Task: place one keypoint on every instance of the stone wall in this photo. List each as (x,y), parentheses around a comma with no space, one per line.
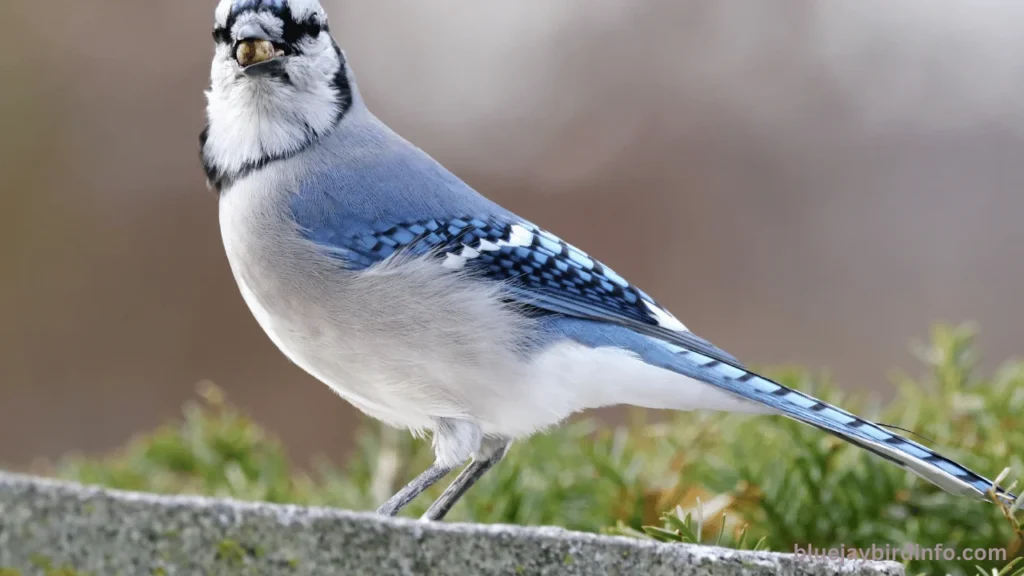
(47,525)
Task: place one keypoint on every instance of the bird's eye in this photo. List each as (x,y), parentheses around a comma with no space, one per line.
(297,31)
(221,35)
(312,28)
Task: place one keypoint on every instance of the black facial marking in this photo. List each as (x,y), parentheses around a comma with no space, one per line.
(293,31)
(341,84)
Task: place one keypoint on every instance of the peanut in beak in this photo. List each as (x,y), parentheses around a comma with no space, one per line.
(251,52)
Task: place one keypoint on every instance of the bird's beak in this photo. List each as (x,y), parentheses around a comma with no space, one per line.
(255,53)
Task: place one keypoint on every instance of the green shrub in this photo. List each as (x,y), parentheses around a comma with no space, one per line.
(740,481)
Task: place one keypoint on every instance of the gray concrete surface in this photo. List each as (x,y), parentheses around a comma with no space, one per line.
(48,525)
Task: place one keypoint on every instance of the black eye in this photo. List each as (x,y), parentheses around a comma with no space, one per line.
(221,35)
(296,31)
(312,28)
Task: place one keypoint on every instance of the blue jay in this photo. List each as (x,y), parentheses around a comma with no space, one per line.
(423,303)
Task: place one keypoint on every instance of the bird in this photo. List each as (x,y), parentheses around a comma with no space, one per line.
(425,304)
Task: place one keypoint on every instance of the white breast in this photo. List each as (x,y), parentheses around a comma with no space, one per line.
(405,342)
(266,262)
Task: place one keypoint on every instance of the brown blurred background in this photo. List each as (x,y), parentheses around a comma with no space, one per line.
(800,181)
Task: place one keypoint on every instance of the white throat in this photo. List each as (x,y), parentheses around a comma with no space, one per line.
(254,120)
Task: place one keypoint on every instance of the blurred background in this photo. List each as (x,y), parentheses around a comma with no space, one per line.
(800,182)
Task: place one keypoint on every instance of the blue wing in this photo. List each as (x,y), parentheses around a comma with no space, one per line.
(538,268)
(593,305)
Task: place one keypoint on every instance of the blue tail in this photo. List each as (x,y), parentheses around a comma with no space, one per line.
(926,463)
(707,363)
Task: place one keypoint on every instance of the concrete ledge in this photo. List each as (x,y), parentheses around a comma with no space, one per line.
(107,533)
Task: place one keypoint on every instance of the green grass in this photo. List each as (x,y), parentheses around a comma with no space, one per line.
(731,480)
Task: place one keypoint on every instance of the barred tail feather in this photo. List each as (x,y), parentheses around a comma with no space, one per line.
(926,463)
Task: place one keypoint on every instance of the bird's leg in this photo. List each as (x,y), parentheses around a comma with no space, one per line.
(425,480)
(494,450)
(455,441)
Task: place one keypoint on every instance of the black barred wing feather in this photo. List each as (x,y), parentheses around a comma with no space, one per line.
(540,270)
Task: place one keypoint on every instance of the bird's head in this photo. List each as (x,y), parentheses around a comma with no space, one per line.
(278,83)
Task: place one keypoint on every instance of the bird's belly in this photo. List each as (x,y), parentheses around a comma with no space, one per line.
(304,307)
(329,356)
